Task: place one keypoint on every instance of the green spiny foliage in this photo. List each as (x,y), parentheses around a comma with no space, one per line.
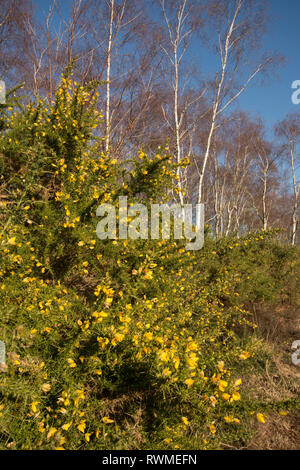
(113,344)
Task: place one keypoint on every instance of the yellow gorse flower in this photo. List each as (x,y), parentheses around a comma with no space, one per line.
(261,418)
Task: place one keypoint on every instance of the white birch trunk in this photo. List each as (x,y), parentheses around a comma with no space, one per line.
(109,48)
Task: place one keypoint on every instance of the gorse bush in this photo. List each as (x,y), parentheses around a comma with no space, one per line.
(110,344)
(255,267)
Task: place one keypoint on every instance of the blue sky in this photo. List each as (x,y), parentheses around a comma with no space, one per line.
(272,101)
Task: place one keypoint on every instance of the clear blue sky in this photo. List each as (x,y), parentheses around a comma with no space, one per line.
(273,100)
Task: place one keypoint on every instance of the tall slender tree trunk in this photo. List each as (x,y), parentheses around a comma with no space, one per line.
(296,194)
(109,48)
(216,105)
(177,127)
(264,206)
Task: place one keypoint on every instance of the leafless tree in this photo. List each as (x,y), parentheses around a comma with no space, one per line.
(179,19)
(235,28)
(289,131)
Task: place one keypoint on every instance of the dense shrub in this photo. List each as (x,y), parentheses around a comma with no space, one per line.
(112,344)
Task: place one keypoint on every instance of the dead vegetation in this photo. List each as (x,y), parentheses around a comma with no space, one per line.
(279,381)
